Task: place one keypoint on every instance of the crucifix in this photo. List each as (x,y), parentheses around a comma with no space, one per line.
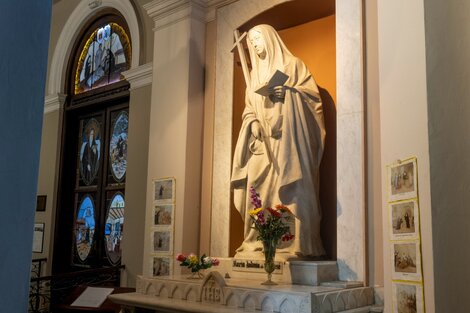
(241,52)
(246,73)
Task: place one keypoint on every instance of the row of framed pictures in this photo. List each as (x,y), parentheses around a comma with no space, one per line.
(405,240)
(162,230)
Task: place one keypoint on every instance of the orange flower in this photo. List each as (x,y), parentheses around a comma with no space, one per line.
(283,208)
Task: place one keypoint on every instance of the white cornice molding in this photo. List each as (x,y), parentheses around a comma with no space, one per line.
(140,76)
(54,102)
(213,5)
(168,12)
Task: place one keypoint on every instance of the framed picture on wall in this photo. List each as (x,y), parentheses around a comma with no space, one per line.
(407,297)
(404,219)
(163,214)
(38,237)
(406,258)
(162,265)
(402,180)
(162,241)
(164,190)
(41,203)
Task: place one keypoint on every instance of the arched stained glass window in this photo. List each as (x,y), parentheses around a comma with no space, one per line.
(105,55)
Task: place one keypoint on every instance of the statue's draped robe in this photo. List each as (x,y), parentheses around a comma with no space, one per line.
(284,166)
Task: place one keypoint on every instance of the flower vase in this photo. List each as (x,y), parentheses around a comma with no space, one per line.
(269,246)
(196,275)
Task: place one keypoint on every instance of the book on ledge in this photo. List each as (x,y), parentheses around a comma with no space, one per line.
(278,79)
(92,297)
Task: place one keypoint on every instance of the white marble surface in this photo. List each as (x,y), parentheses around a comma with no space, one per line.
(214,294)
(351,239)
(312,273)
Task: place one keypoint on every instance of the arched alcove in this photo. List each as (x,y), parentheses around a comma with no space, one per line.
(350,145)
(308,30)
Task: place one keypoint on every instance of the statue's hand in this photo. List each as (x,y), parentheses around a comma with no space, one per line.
(256,130)
(278,92)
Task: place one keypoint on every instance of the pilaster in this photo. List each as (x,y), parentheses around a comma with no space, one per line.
(176,117)
(140,76)
(168,12)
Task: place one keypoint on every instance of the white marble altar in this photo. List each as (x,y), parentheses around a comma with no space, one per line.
(216,294)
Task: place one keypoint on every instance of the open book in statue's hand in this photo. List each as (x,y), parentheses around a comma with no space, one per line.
(278,79)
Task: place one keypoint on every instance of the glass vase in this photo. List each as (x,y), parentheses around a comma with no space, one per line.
(196,275)
(269,246)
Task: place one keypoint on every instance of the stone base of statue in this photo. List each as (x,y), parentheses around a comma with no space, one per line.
(216,294)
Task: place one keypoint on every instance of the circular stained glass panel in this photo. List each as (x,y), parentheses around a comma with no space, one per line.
(118,147)
(114,227)
(85,227)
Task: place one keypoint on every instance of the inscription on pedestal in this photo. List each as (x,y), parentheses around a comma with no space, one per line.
(256,266)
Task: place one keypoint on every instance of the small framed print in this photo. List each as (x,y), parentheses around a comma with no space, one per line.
(163,214)
(162,265)
(164,190)
(402,180)
(38,237)
(162,241)
(41,203)
(406,260)
(407,297)
(404,219)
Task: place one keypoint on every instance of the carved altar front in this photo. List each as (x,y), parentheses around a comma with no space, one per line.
(215,294)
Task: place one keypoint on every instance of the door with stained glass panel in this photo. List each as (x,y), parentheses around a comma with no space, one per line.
(89,224)
(100,187)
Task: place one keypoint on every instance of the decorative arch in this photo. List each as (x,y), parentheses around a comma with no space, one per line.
(70,32)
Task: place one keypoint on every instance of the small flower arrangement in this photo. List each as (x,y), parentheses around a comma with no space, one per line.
(196,264)
(270,223)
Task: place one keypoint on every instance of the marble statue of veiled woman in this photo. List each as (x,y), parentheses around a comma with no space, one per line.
(280,145)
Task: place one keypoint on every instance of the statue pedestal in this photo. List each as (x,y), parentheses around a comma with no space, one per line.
(311,273)
(215,294)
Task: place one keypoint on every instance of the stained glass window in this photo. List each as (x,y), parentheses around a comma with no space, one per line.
(118,146)
(114,228)
(106,54)
(85,227)
(90,149)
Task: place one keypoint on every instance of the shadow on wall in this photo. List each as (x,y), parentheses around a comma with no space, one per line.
(328,177)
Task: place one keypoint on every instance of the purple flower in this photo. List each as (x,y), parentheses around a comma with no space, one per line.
(261,220)
(255,200)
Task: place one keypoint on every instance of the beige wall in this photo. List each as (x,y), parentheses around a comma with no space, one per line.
(60,14)
(47,181)
(146,33)
(448,74)
(404,121)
